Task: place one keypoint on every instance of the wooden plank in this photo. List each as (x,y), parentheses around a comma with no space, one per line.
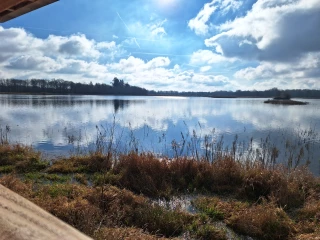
(22,220)
(20,7)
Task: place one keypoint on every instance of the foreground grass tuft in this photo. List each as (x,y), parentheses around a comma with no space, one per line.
(20,159)
(264,221)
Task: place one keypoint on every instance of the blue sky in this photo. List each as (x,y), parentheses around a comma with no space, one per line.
(184,45)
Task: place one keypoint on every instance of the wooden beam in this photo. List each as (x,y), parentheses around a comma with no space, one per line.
(6,4)
(10,9)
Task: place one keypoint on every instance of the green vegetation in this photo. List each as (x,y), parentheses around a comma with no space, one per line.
(110,197)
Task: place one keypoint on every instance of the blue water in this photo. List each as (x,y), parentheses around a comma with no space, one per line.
(170,126)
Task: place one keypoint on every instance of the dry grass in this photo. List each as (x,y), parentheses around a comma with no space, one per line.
(263,221)
(92,163)
(148,175)
(123,233)
(143,174)
(267,203)
(287,189)
(308,217)
(20,159)
(92,209)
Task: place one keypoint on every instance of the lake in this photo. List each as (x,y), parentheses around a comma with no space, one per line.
(166,126)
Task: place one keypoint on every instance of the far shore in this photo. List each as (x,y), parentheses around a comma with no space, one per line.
(272,101)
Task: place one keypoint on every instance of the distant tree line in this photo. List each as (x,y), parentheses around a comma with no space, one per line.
(119,87)
(271,93)
(58,86)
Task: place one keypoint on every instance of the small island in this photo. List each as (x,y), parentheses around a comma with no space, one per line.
(284,98)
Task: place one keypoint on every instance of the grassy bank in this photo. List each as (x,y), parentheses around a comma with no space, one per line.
(111,197)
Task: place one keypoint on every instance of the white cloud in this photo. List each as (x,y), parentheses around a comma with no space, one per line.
(106,45)
(25,56)
(156,74)
(208,57)
(157,29)
(29,62)
(205,69)
(304,74)
(77,58)
(230,5)
(272,30)
(200,25)
(158,62)
(281,38)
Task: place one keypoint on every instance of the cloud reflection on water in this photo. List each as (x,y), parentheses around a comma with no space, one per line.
(48,122)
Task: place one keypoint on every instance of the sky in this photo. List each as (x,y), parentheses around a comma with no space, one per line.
(180,45)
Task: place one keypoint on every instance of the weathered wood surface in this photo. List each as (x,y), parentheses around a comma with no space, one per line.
(10,9)
(22,220)
(7,4)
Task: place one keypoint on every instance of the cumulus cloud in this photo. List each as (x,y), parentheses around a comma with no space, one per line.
(76,45)
(33,63)
(17,42)
(156,73)
(277,42)
(78,58)
(133,64)
(304,74)
(24,56)
(272,30)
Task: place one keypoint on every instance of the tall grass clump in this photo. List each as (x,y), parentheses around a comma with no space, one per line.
(91,163)
(144,173)
(20,159)
(287,189)
(264,221)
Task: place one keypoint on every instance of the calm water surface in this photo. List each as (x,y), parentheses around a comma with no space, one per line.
(59,125)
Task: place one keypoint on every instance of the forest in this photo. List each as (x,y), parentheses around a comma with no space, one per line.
(119,87)
(58,86)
